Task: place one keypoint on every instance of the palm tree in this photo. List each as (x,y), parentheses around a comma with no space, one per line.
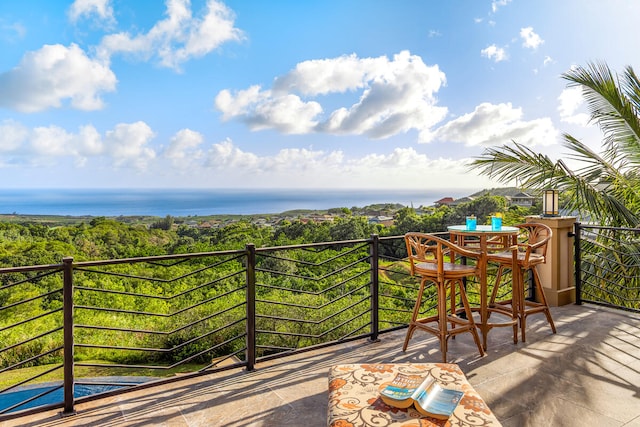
(605,187)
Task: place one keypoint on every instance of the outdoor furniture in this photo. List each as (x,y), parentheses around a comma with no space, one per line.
(354,391)
(429,258)
(522,259)
(488,240)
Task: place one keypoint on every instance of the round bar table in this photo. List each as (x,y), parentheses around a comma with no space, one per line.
(486,239)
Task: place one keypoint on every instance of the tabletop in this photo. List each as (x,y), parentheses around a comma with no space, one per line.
(480,229)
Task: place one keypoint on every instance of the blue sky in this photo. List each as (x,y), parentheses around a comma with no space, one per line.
(289,93)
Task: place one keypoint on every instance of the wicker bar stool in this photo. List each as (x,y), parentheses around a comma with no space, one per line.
(429,258)
(522,259)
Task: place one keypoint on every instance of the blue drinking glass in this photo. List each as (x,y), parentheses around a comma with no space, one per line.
(471,223)
(496,223)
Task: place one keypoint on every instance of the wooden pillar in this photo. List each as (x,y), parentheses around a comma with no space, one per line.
(557,275)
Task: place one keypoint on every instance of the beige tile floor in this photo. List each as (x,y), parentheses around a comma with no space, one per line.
(588,374)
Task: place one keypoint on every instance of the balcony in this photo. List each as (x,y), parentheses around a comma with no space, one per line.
(585,375)
(339,302)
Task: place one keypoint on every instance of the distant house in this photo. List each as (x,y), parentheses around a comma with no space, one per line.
(321,217)
(522,199)
(444,201)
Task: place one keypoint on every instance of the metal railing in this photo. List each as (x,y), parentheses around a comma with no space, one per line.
(607,266)
(107,326)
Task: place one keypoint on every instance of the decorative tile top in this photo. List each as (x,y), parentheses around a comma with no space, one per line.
(354,398)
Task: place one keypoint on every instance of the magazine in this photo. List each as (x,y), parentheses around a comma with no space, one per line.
(424,393)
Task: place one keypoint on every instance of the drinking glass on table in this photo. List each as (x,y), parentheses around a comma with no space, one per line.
(496,222)
(471,223)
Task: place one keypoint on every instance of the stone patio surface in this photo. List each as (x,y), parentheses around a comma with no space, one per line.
(588,374)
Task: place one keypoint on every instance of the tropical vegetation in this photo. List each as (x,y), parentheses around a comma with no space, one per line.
(601,186)
(191,308)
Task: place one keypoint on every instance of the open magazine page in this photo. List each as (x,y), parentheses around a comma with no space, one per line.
(437,401)
(401,391)
(426,385)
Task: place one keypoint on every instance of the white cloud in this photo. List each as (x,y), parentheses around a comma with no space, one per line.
(223,163)
(396,96)
(225,155)
(179,37)
(530,39)
(47,143)
(47,77)
(86,8)
(569,102)
(89,141)
(50,141)
(12,31)
(12,135)
(323,76)
(547,60)
(495,4)
(494,52)
(307,168)
(127,144)
(500,124)
(184,150)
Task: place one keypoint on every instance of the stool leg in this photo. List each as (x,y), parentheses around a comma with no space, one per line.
(467,310)
(452,302)
(414,316)
(518,285)
(442,319)
(543,299)
(513,301)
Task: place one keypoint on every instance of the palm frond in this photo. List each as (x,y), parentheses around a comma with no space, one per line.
(593,200)
(515,163)
(631,86)
(612,109)
(604,187)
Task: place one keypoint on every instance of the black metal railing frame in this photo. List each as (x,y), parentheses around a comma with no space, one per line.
(607,266)
(369,295)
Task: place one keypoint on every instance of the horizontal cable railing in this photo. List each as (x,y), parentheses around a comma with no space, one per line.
(97,328)
(608,266)
(31,330)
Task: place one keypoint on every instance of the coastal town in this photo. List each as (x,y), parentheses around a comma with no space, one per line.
(382,214)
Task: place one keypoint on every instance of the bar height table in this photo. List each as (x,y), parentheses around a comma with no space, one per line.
(486,239)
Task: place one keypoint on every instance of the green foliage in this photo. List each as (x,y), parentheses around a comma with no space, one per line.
(482,207)
(164,224)
(193,311)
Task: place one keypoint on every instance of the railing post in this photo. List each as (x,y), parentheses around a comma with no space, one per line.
(67,314)
(375,306)
(251,306)
(577,262)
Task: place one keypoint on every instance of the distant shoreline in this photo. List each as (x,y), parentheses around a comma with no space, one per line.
(208,202)
(148,219)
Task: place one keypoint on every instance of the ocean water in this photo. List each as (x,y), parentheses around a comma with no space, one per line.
(194,202)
